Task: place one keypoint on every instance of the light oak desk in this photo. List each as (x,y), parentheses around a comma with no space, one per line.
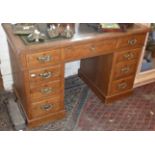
(108,65)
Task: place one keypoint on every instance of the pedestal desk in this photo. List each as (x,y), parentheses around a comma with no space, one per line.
(108,65)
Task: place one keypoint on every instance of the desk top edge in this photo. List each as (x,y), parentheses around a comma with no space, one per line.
(16,40)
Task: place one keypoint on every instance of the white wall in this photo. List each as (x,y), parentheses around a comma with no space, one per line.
(5,61)
(70,68)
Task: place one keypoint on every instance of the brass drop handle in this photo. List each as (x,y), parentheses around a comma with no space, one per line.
(93,48)
(46,107)
(125,70)
(46,75)
(44,58)
(122,86)
(46,90)
(129,55)
(132,42)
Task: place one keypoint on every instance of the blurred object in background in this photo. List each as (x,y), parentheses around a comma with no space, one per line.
(66,30)
(1,82)
(111,27)
(151,41)
(36,36)
(125,26)
(24,28)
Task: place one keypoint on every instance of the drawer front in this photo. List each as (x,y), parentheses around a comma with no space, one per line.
(43,59)
(45,90)
(76,52)
(119,86)
(128,55)
(132,41)
(104,45)
(89,50)
(124,69)
(45,75)
(46,107)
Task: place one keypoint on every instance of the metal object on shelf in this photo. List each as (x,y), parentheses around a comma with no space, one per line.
(34,33)
(24,28)
(53,31)
(36,36)
(46,32)
(68,32)
(61,30)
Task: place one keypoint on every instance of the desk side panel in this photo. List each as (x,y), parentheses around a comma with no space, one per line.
(19,78)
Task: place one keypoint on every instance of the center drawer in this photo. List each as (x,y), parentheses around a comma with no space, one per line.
(45,90)
(88,50)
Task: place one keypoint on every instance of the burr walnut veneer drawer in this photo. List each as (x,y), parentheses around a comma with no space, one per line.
(89,50)
(46,107)
(128,55)
(124,69)
(131,41)
(45,90)
(118,86)
(45,74)
(43,59)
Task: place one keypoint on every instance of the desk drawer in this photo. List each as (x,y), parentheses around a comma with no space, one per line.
(119,86)
(89,50)
(45,90)
(124,69)
(45,75)
(131,41)
(46,107)
(43,59)
(105,45)
(128,55)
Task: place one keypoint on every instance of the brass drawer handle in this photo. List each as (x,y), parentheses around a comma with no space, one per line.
(46,107)
(125,70)
(122,86)
(132,42)
(45,75)
(45,58)
(129,56)
(46,90)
